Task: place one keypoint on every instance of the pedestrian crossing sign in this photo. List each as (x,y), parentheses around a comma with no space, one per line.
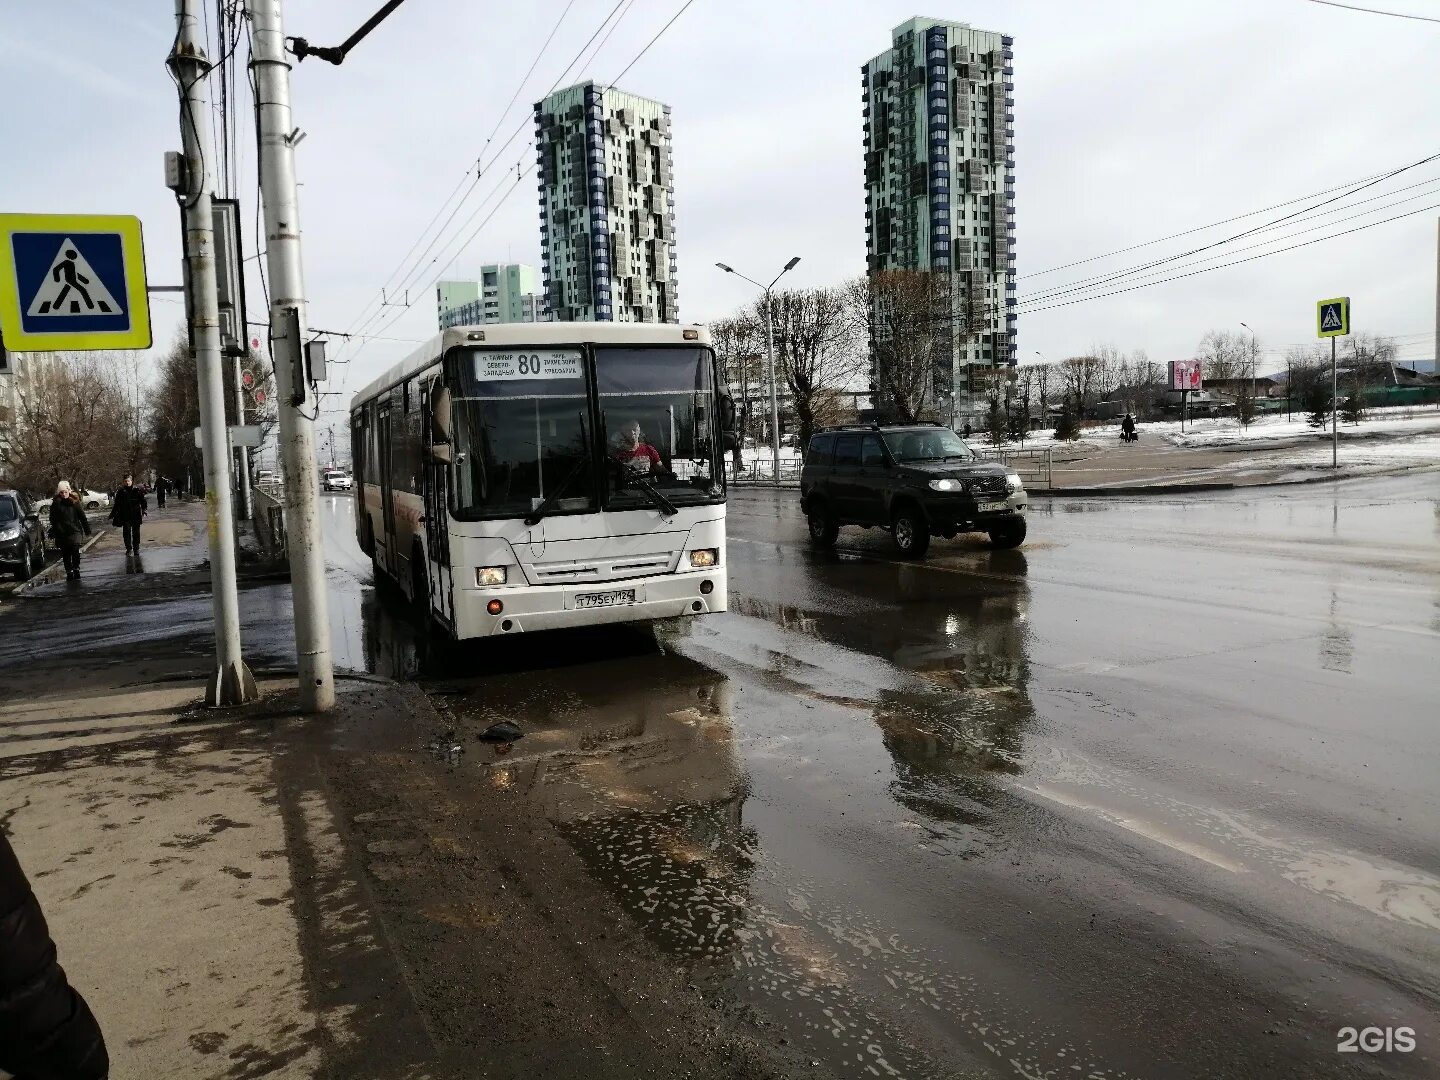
(1332,317)
(73,282)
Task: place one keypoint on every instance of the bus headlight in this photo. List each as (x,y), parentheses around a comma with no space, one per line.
(491,575)
(702,557)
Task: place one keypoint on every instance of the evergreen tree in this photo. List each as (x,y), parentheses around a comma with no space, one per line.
(1352,410)
(1067,428)
(1244,406)
(1316,401)
(996,424)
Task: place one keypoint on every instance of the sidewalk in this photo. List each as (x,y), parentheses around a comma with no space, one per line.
(257,893)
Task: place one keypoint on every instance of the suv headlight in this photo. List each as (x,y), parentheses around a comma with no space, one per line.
(491,575)
(10,532)
(1016,484)
(702,557)
(946,485)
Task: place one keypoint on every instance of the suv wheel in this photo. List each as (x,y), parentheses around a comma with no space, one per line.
(1009,535)
(823,529)
(26,568)
(912,535)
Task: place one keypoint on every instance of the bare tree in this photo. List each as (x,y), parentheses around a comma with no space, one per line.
(1224,354)
(739,342)
(74,422)
(907,319)
(1078,374)
(817,353)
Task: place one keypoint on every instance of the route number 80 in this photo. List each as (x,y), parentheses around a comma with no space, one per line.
(531,365)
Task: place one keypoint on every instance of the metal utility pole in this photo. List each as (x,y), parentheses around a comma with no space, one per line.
(232,683)
(242,453)
(287,331)
(1253,357)
(769,362)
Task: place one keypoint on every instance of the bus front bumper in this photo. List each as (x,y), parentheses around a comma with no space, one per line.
(553,607)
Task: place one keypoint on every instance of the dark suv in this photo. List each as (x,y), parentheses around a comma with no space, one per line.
(22,537)
(917,480)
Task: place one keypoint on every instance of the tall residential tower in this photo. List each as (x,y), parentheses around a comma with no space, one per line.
(607,223)
(940,184)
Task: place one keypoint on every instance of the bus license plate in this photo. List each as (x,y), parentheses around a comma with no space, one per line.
(605,599)
(990,507)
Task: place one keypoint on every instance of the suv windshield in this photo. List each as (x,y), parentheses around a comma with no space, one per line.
(926,444)
(521,433)
(657,408)
(8,510)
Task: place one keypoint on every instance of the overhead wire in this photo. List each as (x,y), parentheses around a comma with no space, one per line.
(1377,11)
(1429,185)
(1236,262)
(1116,276)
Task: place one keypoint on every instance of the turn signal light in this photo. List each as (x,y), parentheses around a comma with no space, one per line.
(704,557)
(494,607)
(490,575)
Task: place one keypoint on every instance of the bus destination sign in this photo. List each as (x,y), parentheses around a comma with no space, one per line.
(551,364)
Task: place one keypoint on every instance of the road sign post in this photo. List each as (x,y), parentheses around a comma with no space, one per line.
(73,282)
(1332,320)
(232,683)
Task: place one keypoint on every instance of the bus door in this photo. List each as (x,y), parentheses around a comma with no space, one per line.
(387,492)
(437,526)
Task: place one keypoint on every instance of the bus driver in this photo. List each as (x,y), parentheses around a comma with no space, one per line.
(638,456)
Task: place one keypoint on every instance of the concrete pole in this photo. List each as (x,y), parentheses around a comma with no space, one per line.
(232,683)
(774,396)
(287,331)
(1436,363)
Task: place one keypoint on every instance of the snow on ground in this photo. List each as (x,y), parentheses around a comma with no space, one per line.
(1274,431)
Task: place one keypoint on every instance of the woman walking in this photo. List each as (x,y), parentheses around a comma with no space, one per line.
(68,527)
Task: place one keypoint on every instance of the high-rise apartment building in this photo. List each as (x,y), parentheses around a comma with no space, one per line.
(940,183)
(506,292)
(607,221)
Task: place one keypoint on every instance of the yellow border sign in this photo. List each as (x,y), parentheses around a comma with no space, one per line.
(73,282)
(1332,317)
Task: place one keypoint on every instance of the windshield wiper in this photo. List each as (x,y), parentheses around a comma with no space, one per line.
(660,502)
(553,499)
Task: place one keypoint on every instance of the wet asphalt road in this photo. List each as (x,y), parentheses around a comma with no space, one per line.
(1155,795)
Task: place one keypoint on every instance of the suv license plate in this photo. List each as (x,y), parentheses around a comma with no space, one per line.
(989,507)
(605,599)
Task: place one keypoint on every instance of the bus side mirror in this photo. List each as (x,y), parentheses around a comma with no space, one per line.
(439,420)
(729,439)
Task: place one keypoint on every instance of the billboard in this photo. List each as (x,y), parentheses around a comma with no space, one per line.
(1184,374)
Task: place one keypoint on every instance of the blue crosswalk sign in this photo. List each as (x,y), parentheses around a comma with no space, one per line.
(73,282)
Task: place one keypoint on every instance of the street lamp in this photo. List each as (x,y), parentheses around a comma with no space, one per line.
(769,361)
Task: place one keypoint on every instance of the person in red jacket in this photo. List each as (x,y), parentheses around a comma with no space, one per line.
(47,1032)
(638,456)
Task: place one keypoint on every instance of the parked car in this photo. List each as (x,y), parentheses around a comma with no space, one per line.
(336,480)
(90,500)
(22,535)
(266,476)
(916,480)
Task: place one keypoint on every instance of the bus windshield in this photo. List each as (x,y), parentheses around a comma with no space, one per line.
(657,411)
(526,438)
(522,433)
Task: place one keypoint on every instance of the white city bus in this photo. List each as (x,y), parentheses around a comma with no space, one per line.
(527,476)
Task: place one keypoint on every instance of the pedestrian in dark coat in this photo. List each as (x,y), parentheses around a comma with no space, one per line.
(160,485)
(127,510)
(47,1032)
(68,527)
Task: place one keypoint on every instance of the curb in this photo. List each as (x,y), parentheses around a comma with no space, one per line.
(45,577)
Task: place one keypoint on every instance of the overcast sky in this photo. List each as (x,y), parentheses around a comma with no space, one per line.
(1134,120)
